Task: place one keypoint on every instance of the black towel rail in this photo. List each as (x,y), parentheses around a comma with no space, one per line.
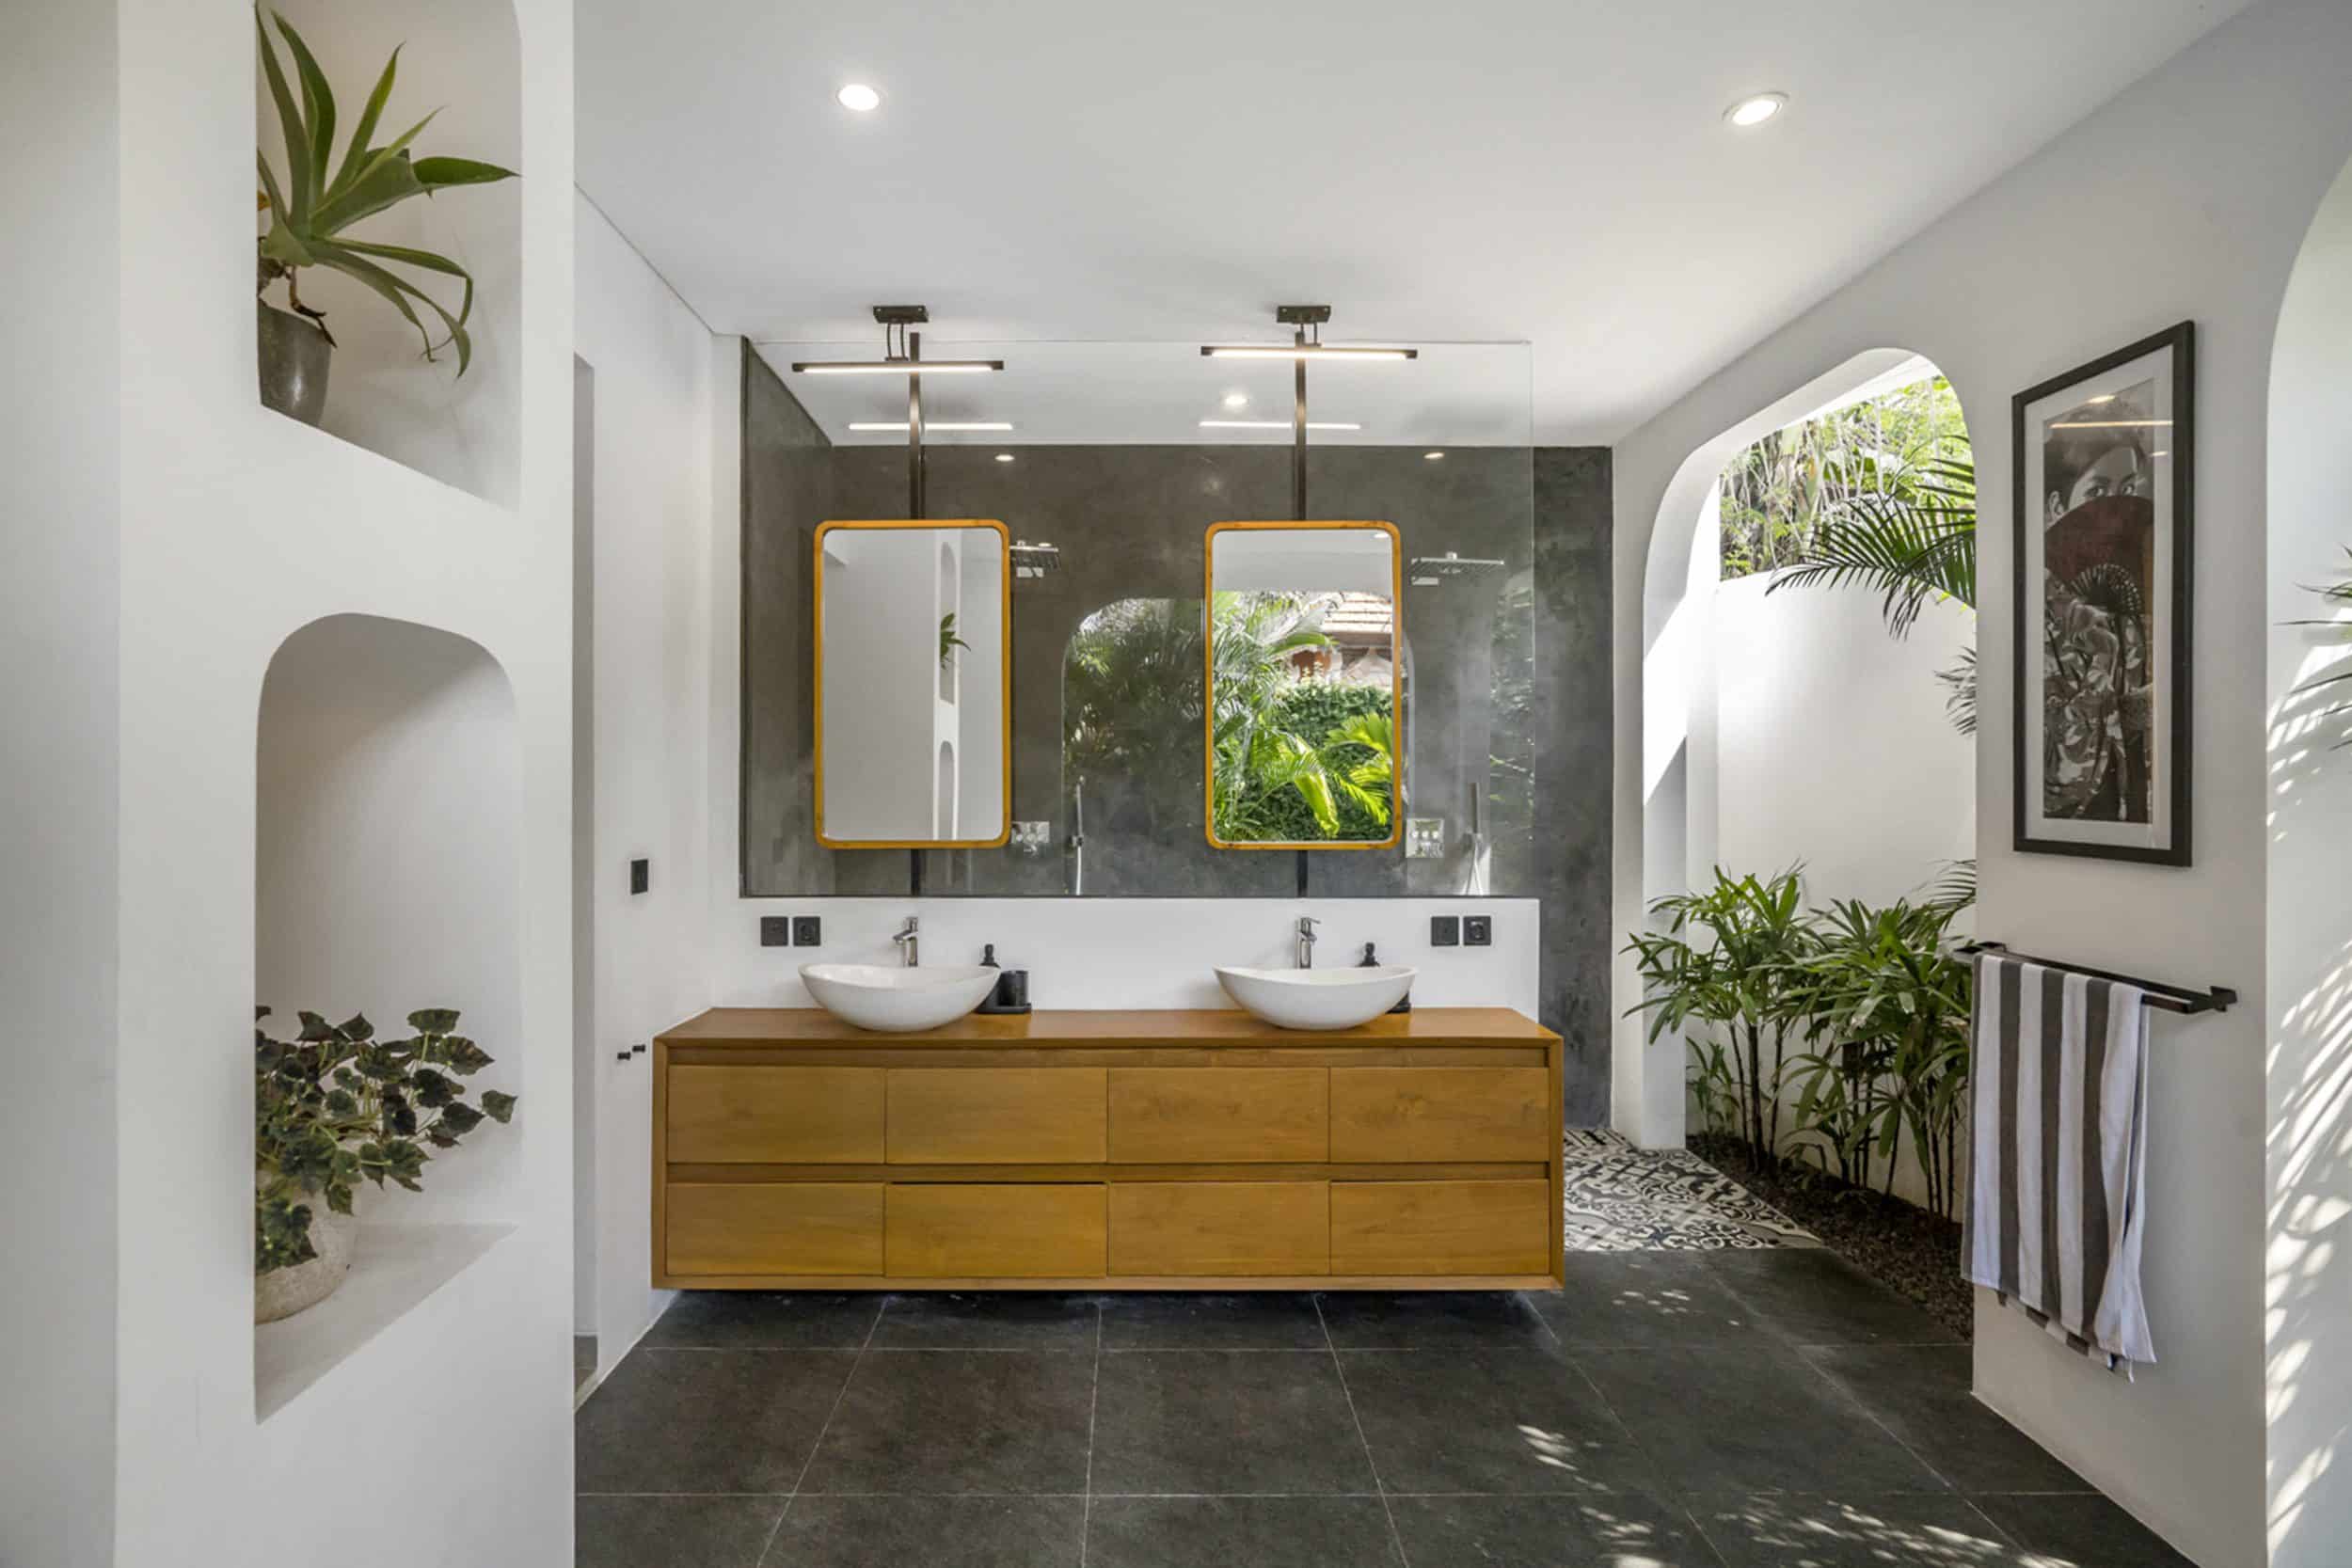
(2154,993)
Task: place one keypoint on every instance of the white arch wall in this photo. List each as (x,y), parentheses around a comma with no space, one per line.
(236,528)
(2307,1269)
(2225,151)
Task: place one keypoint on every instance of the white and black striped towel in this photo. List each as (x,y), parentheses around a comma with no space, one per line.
(2060,1154)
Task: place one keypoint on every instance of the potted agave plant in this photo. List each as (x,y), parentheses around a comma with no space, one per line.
(335,1107)
(312,210)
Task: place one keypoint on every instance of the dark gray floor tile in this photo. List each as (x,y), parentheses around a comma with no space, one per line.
(1921,1393)
(949,1421)
(674,1532)
(1272,1320)
(1639,1299)
(1614,1530)
(1750,1418)
(1239,1533)
(1811,1296)
(1512,1420)
(780,1320)
(707,1421)
(1017,1321)
(2079,1533)
(1225,1421)
(1432,1319)
(931,1532)
(1900,1532)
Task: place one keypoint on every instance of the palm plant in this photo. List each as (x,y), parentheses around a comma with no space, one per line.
(1255,758)
(2339,597)
(311,209)
(1731,960)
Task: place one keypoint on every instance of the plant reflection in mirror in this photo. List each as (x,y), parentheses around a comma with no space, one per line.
(1299,757)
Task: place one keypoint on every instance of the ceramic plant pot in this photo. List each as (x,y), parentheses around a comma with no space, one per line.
(282,1293)
(294,359)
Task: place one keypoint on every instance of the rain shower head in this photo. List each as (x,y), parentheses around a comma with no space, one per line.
(1430,570)
(1035,561)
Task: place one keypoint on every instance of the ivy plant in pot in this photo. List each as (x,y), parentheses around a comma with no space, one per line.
(332,1107)
(312,210)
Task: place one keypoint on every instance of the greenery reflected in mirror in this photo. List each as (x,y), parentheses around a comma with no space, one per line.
(1302,666)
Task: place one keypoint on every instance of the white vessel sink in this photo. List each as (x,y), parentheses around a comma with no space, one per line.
(1318,998)
(899,1000)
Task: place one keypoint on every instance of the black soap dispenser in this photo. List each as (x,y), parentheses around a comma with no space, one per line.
(1404,1003)
(1011,994)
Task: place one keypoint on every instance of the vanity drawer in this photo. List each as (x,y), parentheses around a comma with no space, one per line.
(761,1228)
(1213,1115)
(1470,1114)
(1220,1228)
(1441,1228)
(780,1115)
(977,1231)
(1049,1115)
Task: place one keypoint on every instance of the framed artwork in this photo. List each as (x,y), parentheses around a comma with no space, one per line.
(2105,566)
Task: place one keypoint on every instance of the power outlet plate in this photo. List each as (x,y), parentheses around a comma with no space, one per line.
(1478,930)
(808,931)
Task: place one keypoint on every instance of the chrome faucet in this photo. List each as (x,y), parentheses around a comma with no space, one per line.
(1306,925)
(909,954)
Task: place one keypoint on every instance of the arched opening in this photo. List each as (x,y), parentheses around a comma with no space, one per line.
(1793,713)
(387,881)
(2308,1353)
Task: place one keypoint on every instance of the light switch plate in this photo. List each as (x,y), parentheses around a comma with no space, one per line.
(1445,930)
(1424,838)
(776,930)
(639,876)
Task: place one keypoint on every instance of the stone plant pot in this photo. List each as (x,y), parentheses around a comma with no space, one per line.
(294,359)
(282,1293)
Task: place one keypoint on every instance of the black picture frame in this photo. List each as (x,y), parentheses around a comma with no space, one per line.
(2166,644)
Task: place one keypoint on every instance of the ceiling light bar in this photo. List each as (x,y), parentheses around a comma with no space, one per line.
(1304,351)
(931,425)
(897,367)
(1267,424)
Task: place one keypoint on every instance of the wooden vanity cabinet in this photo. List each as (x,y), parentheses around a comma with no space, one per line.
(1118,1150)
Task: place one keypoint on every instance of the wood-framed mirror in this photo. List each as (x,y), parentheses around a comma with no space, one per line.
(914,676)
(1305,711)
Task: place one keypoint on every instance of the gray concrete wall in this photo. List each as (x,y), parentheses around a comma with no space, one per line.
(1507,678)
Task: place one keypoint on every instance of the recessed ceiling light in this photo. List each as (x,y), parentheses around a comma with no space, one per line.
(860,97)
(1432,457)
(1003,457)
(1754,110)
(1237,399)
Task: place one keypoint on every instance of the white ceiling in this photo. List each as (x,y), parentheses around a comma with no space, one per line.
(1548,171)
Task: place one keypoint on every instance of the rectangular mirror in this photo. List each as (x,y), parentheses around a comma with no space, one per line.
(913,662)
(1306,707)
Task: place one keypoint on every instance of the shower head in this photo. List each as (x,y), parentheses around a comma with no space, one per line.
(1430,570)
(1035,561)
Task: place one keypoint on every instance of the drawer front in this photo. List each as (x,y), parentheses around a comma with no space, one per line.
(1045,1115)
(758,1227)
(1477,1114)
(1432,1227)
(1220,1228)
(782,1116)
(1217,1116)
(999,1233)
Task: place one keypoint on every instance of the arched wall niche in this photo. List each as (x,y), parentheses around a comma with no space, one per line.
(460,60)
(387,873)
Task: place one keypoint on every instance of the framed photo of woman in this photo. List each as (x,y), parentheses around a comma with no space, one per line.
(2105,566)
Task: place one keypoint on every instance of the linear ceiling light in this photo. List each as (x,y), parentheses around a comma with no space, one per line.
(1304,351)
(930,425)
(1273,424)
(903,350)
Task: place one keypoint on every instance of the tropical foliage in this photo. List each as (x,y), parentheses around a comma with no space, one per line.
(1279,743)
(318,201)
(335,1105)
(1875,1003)
(2338,596)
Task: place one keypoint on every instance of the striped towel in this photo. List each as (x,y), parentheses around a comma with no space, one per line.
(2058,1152)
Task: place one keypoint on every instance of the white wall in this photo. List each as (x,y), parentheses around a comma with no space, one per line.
(236,528)
(1832,749)
(2307,1279)
(59,458)
(655,376)
(2225,153)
